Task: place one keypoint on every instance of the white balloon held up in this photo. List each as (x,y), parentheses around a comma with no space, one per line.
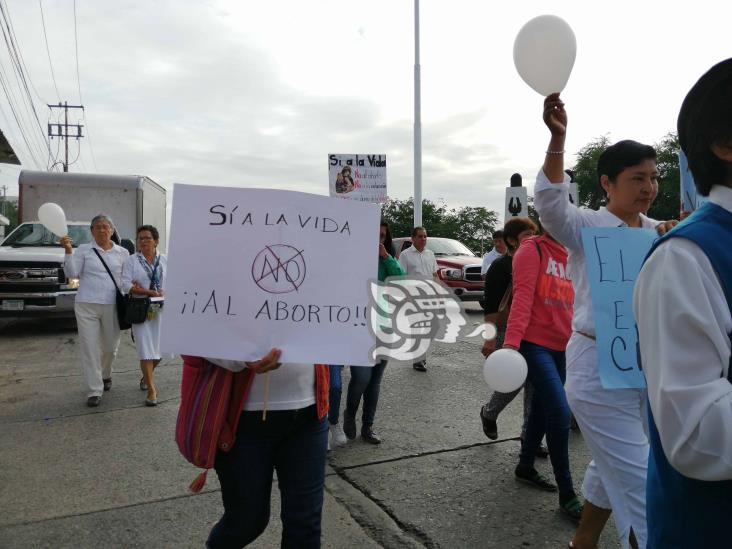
(53,218)
(544,53)
(505,370)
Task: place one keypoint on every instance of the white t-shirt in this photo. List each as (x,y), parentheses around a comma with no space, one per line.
(291,386)
(489,258)
(419,263)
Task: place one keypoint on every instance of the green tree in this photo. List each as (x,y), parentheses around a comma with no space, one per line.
(585,173)
(9,210)
(470,225)
(667,202)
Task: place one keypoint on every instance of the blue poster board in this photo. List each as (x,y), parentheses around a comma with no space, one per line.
(614,259)
(690,199)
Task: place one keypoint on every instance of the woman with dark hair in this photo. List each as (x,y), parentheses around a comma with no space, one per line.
(539,326)
(366,380)
(683,305)
(143,275)
(498,281)
(612,421)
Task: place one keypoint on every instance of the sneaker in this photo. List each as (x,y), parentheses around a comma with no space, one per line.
(337,436)
(572,508)
(529,475)
(93,401)
(490,427)
(420,366)
(107,383)
(349,426)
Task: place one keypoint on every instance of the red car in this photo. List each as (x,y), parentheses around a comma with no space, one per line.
(459,268)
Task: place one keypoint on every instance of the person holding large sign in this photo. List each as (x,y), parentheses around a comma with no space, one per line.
(611,420)
(683,298)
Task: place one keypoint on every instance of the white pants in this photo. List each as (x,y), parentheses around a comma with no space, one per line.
(98,341)
(614,426)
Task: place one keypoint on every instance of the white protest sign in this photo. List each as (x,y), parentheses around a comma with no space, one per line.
(517,203)
(360,177)
(253,269)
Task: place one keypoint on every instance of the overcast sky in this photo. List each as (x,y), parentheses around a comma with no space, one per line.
(245,93)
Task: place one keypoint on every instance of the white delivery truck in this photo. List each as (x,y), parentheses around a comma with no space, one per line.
(32,280)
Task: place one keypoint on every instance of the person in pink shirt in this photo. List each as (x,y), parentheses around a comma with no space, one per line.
(539,327)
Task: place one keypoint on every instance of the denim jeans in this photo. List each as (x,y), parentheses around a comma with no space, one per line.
(292,442)
(549,411)
(336,387)
(366,382)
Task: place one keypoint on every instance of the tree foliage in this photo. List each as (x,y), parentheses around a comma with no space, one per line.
(471,225)
(667,202)
(9,210)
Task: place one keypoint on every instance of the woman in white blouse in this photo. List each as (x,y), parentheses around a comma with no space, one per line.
(143,275)
(96,305)
(612,421)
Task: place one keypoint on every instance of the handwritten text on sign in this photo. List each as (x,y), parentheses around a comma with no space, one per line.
(252,269)
(614,259)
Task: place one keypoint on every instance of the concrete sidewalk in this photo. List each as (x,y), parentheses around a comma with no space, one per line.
(112,476)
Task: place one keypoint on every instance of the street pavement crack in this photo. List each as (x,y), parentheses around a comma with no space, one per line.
(408,529)
(422,454)
(106,509)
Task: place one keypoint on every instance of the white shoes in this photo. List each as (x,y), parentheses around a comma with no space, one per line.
(337,436)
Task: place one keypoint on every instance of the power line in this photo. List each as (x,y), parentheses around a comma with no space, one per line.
(22,75)
(48,50)
(78,82)
(62,130)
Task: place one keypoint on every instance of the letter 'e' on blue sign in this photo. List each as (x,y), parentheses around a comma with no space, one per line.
(614,258)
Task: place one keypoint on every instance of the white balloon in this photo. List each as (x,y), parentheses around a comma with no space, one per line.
(544,53)
(505,370)
(53,218)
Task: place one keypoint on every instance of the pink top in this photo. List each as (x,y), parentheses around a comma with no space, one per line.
(541,312)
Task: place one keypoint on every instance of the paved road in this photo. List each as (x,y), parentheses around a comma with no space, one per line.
(78,477)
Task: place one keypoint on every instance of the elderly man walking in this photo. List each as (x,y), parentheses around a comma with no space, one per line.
(418,260)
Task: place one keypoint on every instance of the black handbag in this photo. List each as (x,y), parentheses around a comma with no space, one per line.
(136,309)
(124,324)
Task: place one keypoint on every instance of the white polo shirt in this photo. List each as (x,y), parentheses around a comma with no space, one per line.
(419,263)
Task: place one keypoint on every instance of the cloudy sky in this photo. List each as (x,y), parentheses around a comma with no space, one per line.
(245,93)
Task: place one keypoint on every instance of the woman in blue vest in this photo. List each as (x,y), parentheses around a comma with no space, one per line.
(682,304)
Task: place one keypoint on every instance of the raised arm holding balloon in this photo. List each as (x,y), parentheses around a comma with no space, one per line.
(611,421)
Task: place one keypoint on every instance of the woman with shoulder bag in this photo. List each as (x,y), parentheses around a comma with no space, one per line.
(498,297)
(98,266)
(143,277)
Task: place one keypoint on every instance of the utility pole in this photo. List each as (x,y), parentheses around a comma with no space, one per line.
(62,130)
(417,124)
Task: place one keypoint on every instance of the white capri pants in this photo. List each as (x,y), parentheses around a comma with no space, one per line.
(98,341)
(614,427)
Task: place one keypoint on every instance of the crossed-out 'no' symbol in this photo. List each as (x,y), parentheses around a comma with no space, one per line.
(279,269)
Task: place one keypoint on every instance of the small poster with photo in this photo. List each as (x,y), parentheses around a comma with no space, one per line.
(360,177)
